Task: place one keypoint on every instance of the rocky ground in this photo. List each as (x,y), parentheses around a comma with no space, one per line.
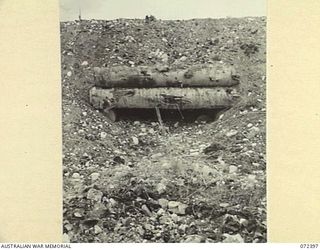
(132,182)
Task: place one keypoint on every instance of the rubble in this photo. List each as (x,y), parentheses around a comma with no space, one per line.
(207,169)
(233,238)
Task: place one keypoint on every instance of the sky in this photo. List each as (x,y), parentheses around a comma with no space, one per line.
(161,9)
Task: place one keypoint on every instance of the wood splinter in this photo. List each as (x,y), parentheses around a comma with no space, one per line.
(159,118)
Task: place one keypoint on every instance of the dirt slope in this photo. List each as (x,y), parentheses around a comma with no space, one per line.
(130,181)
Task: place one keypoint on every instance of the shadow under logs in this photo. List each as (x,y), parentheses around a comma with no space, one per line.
(189,116)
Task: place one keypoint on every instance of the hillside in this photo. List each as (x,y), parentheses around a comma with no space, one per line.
(129,181)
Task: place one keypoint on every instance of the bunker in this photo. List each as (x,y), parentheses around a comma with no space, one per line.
(199,87)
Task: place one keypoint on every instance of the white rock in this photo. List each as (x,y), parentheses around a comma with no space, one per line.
(206,170)
(68,227)
(243,222)
(251,177)
(163,203)
(224,205)
(256,129)
(146,210)
(69,73)
(97,229)
(165,58)
(161,188)
(157,155)
(161,211)
(113,202)
(84,63)
(76,175)
(183,227)
(231,133)
(193,239)
(233,238)
(172,204)
(77,214)
(232,169)
(65,238)
(182,208)
(94,176)
(194,150)
(149,227)
(194,153)
(135,140)
(175,217)
(143,130)
(154,124)
(103,135)
(249,125)
(183,58)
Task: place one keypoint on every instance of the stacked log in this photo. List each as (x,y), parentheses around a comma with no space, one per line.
(198,87)
(163,98)
(213,75)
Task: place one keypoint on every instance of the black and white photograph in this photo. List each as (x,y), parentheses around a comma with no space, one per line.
(164,121)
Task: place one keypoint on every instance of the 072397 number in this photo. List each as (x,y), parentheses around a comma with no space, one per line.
(308,245)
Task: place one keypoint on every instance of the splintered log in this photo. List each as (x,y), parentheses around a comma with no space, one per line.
(211,75)
(164,98)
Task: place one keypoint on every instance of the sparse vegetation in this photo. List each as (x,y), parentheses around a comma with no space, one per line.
(130,181)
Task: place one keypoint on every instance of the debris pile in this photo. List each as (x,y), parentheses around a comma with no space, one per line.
(133,182)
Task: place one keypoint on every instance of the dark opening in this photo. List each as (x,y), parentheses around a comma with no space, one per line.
(207,115)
